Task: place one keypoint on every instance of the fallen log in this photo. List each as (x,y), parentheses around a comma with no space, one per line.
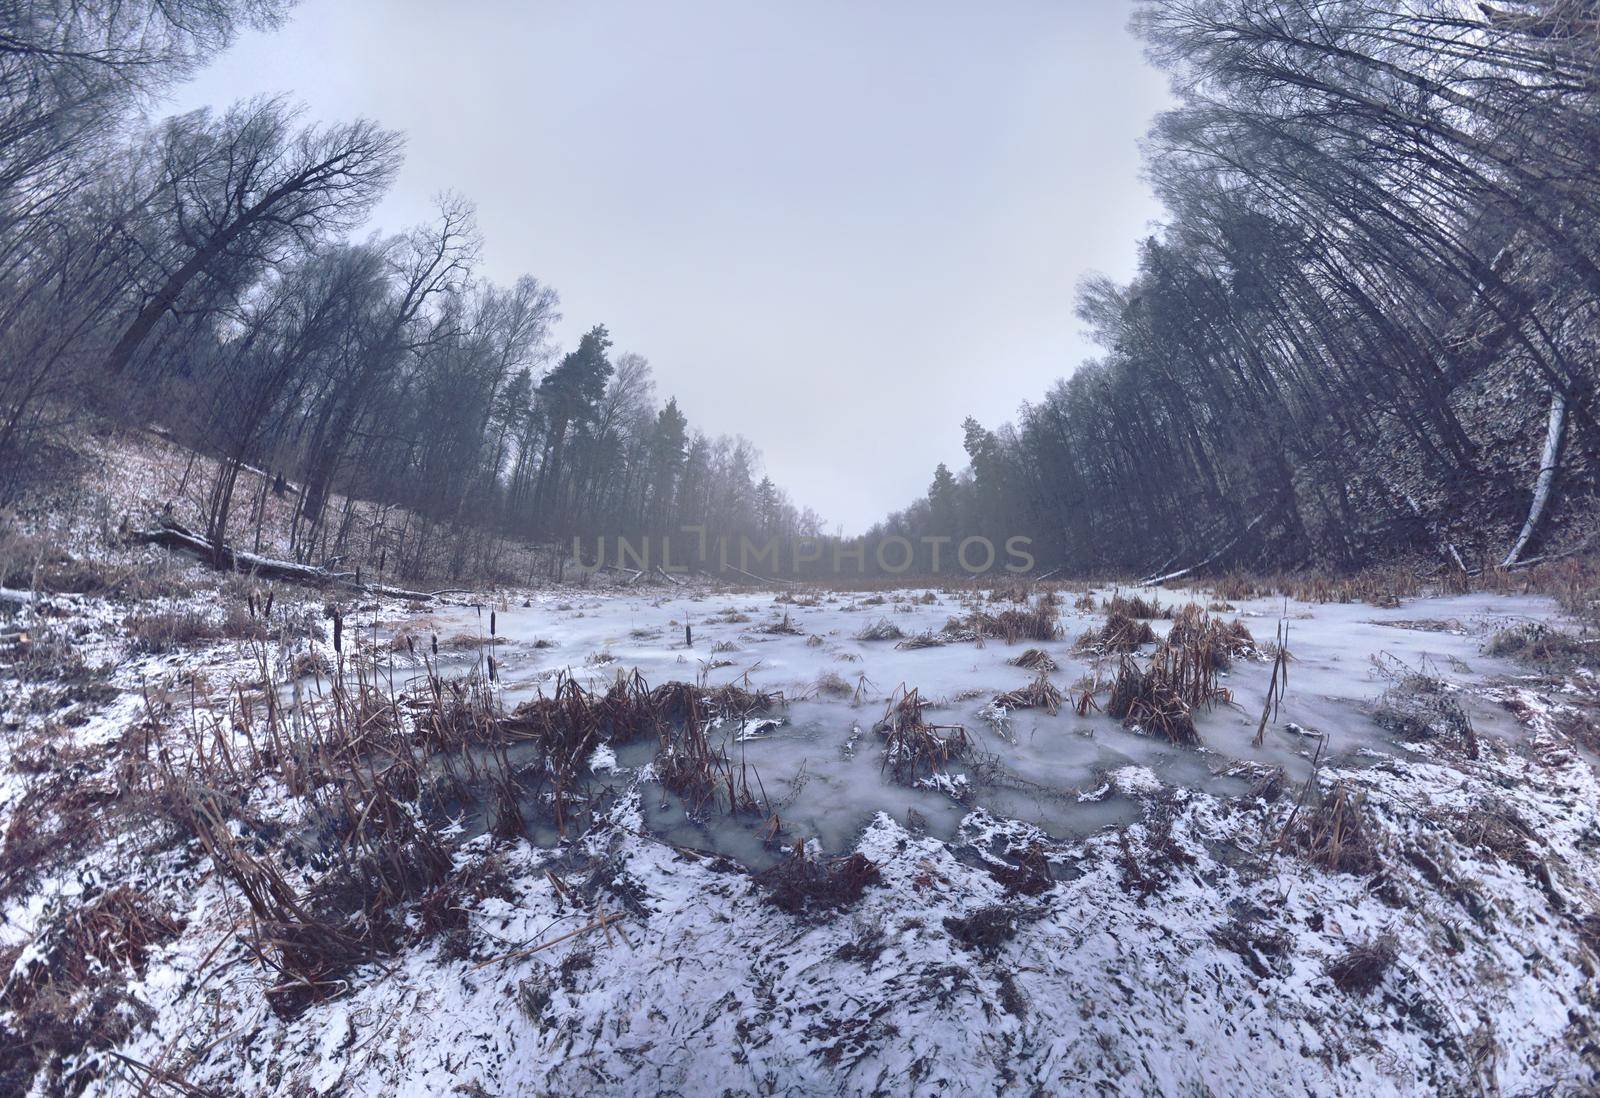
(1152,581)
(174,536)
(1549,463)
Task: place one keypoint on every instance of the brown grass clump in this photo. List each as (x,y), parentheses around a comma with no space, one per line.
(1181,677)
(1257,945)
(160,631)
(792,599)
(832,684)
(1164,857)
(783,627)
(1145,698)
(569,724)
(1135,606)
(1190,666)
(67,995)
(686,763)
(1039,694)
(809,886)
(1215,643)
(1035,659)
(1236,588)
(913,746)
(929,639)
(1120,633)
(1333,833)
(1037,622)
(113,932)
(1378,586)
(1362,967)
(1031,875)
(881,630)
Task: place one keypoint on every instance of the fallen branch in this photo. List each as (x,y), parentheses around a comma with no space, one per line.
(1545,558)
(602,920)
(756,578)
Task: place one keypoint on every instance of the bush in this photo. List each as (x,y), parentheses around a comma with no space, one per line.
(1421,707)
(1537,643)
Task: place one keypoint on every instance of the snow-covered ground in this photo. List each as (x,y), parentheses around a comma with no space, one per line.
(1077,907)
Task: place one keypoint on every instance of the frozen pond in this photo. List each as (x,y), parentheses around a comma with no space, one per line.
(821,766)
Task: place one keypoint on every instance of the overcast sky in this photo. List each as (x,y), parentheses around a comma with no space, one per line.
(837,228)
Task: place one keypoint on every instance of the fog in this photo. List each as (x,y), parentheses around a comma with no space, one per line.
(837,229)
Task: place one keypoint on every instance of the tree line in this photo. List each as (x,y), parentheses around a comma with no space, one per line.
(1368,323)
(205,274)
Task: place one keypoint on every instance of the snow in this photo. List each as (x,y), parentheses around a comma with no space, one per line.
(694,983)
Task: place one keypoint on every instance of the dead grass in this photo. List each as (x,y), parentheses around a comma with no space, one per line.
(1379,586)
(1031,875)
(831,684)
(1215,643)
(1362,967)
(881,630)
(1038,694)
(1539,644)
(1258,946)
(1162,696)
(1136,606)
(1158,862)
(1119,634)
(986,930)
(913,746)
(805,886)
(1035,659)
(1038,622)
(1422,707)
(1332,832)
(66,994)
(784,626)
(161,631)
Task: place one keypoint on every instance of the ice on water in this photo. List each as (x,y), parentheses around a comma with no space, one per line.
(820,766)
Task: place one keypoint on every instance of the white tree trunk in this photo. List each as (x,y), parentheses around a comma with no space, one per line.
(1548,464)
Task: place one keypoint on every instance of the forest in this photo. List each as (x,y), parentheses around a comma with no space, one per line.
(208,275)
(1367,328)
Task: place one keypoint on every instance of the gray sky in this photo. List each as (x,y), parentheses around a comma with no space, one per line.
(836,228)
